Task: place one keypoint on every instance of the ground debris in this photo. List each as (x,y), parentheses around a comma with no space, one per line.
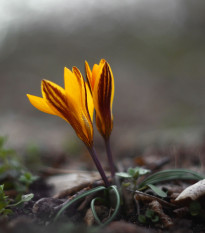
(147,198)
(122,227)
(182,212)
(192,192)
(157,208)
(182,226)
(101,211)
(77,188)
(44,208)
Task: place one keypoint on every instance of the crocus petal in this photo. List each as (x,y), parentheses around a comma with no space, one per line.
(55,86)
(73,84)
(82,101)
(103,94)
(40,104)
(88,75)
(112,89)
(97,69)
(74,103)
(90,102)
(101,83)
(55,97)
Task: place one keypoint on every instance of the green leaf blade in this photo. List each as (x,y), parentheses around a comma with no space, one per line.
(157,190)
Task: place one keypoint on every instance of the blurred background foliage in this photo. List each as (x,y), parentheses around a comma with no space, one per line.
(156,49)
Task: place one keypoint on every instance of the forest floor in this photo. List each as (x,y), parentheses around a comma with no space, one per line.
(139,211)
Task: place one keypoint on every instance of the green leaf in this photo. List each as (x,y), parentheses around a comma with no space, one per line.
(149,213)
(7,212)
(141,218)
(1,188)
(143,171)
(157,190)
(114,188)
(27,178)
(170,174)
(194,208)
(126,184)
(24,198)
(123,174)
(155,218)
(94,190)
(131,171)
(152,215)
(27,197)
(137,171)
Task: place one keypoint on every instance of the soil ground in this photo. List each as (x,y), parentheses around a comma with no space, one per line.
(38,214)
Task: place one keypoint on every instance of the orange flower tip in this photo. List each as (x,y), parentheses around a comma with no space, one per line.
(74,68)
(76,71)
(102,62)
(44,81)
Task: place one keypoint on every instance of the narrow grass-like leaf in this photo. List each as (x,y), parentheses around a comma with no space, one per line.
(94,190)
(170,174)
(115,211)
(92,206)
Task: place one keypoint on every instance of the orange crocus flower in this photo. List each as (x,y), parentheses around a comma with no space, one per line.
(73,103)
(101,83)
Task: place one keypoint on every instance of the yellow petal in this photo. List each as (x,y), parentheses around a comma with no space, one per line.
(54,85)
(74,103)
(97,69)
(55,98)
(40,104)
(103,97)
(88,74)
(90,102)
(82,110)
(73,84)
(112,88)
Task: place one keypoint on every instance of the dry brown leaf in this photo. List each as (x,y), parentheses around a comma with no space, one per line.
(193,192)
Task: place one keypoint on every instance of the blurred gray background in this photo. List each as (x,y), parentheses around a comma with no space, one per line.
(156,49)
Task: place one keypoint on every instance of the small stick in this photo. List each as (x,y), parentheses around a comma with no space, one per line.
(144,197)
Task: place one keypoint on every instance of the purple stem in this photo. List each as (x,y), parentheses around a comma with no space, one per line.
(109,155)
(98,165)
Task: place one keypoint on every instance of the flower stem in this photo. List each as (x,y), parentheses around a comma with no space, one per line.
(109,156)
(98,165)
